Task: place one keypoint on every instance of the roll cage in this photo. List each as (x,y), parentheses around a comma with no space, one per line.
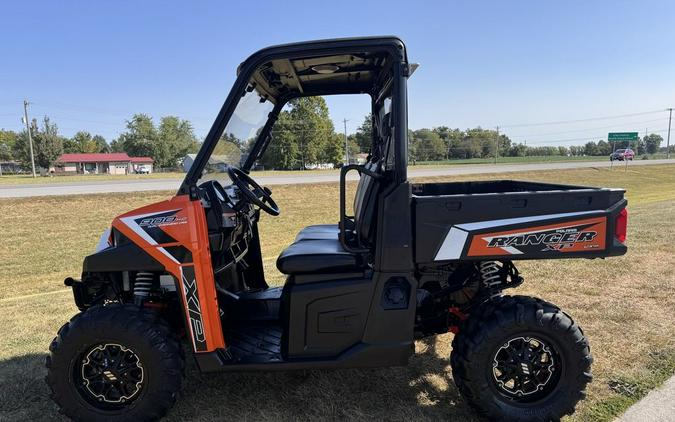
(376,66)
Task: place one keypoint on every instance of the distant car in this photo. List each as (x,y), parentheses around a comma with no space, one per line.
(622,154)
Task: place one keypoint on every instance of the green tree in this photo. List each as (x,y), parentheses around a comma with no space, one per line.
(334,151)
(167,145)
(117,145)
(303,136)
(576,150)
(652,143)
(428,145)
(84,143)
(517,150)
(70,146)
(364,134)
(451,137)
(7,140)
(603,148)
(47,144)
(354,147)
(485,140)
(591,148)
(139,139)
(283,151)
(175,139)
(101,144)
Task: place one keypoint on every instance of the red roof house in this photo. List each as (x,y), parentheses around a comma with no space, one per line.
(94,157)
(102,163)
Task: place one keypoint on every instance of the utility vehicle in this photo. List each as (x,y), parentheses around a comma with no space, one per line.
(414,260)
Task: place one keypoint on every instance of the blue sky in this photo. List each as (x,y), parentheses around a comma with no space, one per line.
(91,65)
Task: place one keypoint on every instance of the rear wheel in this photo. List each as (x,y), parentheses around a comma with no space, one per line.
(520,358)
(117,362)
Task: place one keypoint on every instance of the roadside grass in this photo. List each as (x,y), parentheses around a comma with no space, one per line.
(22,179)
(625,305)
(629,389)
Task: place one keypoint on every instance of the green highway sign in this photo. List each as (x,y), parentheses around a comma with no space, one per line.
(622,136)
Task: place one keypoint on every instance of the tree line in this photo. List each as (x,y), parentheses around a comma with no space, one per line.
(303,137)
(443,143)
(167,143)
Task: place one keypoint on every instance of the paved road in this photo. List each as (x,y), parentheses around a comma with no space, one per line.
(657,406)
(78,188)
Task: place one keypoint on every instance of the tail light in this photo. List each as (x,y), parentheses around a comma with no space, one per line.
(621,226)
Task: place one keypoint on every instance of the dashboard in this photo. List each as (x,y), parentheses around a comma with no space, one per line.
(230,220)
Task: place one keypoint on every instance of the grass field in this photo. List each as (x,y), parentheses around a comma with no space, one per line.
(21,179)
(625,305)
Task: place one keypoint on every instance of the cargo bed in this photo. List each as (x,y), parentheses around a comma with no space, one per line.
(509,219)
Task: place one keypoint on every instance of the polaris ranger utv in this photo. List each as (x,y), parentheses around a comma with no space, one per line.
(414,260)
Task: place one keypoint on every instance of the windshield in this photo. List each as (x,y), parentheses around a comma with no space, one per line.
(239,135)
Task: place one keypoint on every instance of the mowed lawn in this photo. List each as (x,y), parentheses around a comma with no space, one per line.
(625,305)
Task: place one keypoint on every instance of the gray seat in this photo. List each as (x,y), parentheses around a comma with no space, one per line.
(318,249)
(318,256)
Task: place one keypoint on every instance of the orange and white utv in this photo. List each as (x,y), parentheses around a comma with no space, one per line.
(415,260)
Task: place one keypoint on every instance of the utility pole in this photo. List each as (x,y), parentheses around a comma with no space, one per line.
(346,144)
(497,145)
(670,117)
(30,138)
(637,148)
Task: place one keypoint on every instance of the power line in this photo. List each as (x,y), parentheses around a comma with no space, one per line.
(587,138)
(590,119)
(586,129)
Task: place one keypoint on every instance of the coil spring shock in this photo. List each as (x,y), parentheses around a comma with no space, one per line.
(490,272)
(143,284)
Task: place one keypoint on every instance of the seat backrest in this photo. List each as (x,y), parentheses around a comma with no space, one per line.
(365,199)
(365,206)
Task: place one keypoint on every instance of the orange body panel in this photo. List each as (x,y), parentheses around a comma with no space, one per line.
(174,232)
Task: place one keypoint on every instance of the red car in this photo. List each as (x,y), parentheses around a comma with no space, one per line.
(622,154)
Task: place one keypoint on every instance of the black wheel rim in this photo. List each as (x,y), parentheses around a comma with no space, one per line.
(526,369)
(109,375)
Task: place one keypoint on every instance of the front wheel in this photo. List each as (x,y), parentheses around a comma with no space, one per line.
(520,358)
(116,362)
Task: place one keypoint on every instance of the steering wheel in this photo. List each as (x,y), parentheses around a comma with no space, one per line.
(253,192)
